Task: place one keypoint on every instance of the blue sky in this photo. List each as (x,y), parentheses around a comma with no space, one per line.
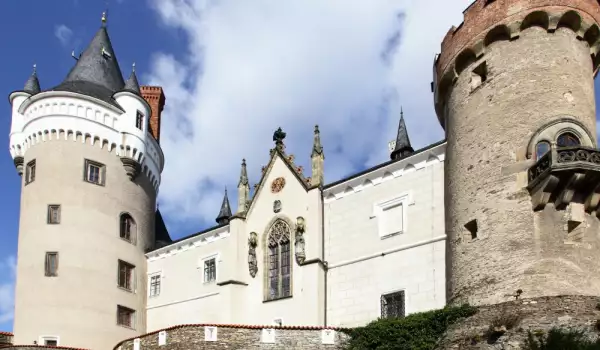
(233,72)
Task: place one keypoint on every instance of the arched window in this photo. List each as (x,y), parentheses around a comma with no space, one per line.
(567,139)
(541,148)
(127,228)
(279,261)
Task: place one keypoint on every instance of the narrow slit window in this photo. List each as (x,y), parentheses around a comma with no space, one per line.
(30,172)
(51,264)
(139,120)
(54,214)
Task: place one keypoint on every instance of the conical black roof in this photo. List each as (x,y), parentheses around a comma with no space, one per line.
(161,234)
(225,212)
(32,85)
(132,83)
(96,73)
(403,147)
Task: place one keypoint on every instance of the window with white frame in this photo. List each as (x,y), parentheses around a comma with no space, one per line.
(155,281)
(391,216)
(49,340)
(209,266)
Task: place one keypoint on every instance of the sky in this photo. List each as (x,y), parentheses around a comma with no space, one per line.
(233,72)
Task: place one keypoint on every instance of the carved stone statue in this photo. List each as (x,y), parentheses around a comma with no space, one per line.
(252,262)
(299,241)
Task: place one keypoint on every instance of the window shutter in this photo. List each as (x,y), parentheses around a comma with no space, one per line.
(393,219)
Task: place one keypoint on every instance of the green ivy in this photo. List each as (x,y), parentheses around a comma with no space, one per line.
(420,331)
(561,339)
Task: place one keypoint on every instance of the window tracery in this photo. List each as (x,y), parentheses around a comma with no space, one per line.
(541,148)
(279,261)
(567,139)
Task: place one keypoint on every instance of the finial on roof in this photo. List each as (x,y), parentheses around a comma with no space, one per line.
(104,18)
(243,175)
(317,147)
(403,147)
(225,212)
(132,83)
(32,85)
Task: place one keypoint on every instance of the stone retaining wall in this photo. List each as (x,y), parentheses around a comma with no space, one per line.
(537,315)
(236,337)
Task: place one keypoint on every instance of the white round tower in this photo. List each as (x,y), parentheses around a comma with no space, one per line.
(90,169)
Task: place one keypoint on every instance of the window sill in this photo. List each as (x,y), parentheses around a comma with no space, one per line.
(277,299)
(125,289)
(391,235)
(94,183)
(127,240)
(125,326)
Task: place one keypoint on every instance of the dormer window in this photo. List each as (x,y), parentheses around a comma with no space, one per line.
(139,120)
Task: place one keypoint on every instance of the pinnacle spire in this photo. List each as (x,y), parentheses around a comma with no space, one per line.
(225,212)
(32,85)
(317,147)
(132,83)
(403,147)
(243,174)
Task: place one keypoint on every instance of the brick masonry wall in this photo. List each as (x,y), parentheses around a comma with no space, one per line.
(537,315)
(155,97)
(233,337)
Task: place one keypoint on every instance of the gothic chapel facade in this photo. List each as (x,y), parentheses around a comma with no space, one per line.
(507,201)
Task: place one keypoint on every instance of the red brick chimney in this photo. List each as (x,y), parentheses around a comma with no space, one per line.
(155,97)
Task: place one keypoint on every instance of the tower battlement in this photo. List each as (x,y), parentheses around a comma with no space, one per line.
(488,21)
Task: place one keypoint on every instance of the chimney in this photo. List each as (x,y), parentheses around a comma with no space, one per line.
(155,97)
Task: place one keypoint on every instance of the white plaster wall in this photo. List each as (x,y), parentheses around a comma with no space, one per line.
(358,273)
(184,297)
(305,307)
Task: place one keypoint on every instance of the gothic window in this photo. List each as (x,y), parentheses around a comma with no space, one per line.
(541,148)
(279,261)
(393,305)
(567,139)
(127,228)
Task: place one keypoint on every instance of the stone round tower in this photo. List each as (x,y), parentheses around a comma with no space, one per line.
(90,161)
(514,91)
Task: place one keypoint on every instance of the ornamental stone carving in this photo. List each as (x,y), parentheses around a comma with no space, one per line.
(277,206)
(299,241)
(277,185)
(19,164)
(252,262)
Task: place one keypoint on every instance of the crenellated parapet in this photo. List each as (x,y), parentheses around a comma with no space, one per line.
(55,115)
(488,21)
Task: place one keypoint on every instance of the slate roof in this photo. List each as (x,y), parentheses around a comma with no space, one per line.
(132,83)
(225,212)
(32,85)
(161,235)
(403,147)
(96,73)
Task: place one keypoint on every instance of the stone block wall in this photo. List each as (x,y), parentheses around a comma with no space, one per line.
(236,337)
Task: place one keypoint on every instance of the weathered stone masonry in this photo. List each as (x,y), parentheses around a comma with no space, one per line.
(235,337)
(511,68)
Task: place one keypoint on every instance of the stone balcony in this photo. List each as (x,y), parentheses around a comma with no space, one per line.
(566,176)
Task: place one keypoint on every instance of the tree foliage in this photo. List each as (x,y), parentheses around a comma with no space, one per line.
(419,331)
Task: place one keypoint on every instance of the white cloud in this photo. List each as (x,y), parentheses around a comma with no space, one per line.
(64,34)
(253,66)
(7,288)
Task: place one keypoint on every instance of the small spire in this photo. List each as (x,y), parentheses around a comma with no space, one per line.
(243,175)
(132,83)
(225,212)
(317,147)
(403,147)
(32,85)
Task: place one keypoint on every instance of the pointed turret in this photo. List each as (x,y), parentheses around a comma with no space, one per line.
(243,189)
(32,85)
(225,212)
(96,73)
(132,83)
(317,159)
(403,147)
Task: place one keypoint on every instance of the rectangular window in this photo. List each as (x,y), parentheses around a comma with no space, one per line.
(154,285)
(54,214)
(94,172)
(139,120)
(30,172)
(273,271)
(285,269)
(125,316)
(126,275)
(210,270)
(392,305)
(51,264)
(51,342)
(392,220)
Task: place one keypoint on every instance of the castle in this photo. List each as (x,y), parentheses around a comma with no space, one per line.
(505,206)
